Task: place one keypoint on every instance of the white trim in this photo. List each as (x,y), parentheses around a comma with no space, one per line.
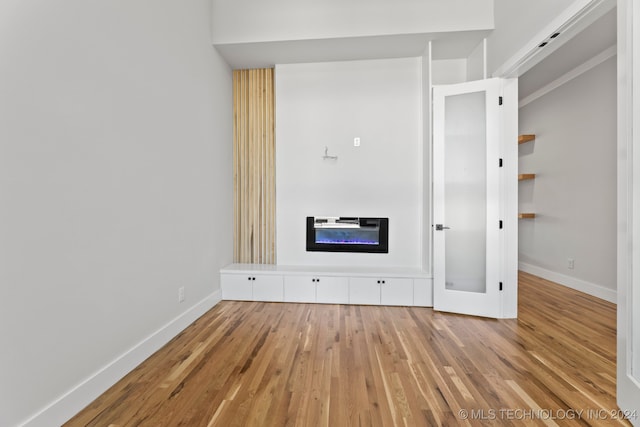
(73,401)
(627,385)
(577,71)
(429,229)
(572,20)
(593,289)
(422,225)
(509,128)
(484,58)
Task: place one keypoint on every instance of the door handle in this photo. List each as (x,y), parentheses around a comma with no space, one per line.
(440,227)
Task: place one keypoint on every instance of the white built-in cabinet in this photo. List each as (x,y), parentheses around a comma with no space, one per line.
(318,288)
(326,285)
(296,289)
(381,291)
(268,288)
(253,287)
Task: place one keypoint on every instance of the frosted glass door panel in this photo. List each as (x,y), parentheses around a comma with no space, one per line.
(465,192)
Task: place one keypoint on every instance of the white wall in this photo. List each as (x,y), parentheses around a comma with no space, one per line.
(241,21)
(516,23)
(115,186)
(574,157)
(476,63)
(449,71)
(329,104)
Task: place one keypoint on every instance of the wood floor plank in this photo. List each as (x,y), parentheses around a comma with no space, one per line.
(276,364)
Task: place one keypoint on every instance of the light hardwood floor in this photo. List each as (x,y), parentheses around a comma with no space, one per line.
(276,364)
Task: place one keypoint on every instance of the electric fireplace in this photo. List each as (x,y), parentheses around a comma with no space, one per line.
(347,234)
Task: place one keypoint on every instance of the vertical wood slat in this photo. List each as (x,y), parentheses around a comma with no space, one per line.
(254,166)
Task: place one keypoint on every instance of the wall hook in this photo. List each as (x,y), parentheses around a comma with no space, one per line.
(327,156)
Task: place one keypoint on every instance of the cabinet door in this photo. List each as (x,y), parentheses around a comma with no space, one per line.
(236,287)
(268,288)
(423,292)
(300,289)
(396,291)
(332,290)
(364,290)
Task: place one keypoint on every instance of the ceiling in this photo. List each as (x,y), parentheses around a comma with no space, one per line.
(573,48)
(591,41)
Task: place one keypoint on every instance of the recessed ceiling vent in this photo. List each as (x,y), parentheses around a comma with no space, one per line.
(546,42)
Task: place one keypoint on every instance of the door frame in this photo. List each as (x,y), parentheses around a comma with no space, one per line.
(578,15)
(628,283)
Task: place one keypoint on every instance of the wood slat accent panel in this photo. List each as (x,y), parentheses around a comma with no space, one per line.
(254,166)
(278,364)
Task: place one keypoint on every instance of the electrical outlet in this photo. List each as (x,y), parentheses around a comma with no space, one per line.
(181,294)
(570,263)
(356,142)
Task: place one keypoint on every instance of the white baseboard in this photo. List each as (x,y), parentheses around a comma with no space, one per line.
(73,401)
(571,282)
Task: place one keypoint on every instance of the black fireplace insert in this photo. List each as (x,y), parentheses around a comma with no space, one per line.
(347,234)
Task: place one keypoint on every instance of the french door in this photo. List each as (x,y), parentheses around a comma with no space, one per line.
(471,197)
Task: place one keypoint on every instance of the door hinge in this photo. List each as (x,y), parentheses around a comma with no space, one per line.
(500,285)
(500,224)
(499,100)
(499,163)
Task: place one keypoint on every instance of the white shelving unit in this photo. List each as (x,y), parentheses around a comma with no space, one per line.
(522,139)
(326,285)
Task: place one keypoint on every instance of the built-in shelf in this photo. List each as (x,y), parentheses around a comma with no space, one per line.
(525,138)
(526,176)
(526,215)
